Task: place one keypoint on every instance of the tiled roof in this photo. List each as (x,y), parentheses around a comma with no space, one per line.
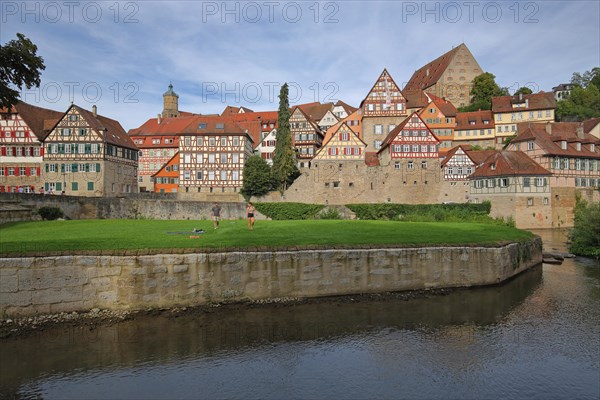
(371,159)
(444,106)
(551,144)
(167,126)
(453,151)
(230,110)
(534,101)
(415,98)
(479,156)
(40,120)
(430,73)
(253,122)
(315,111)
(111,130)
(474,120)
(212,125)
(590,124)
(508,163)
(349,109)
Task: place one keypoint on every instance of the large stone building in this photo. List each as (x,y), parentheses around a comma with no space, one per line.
(22,129)
(87,154)
(449,76)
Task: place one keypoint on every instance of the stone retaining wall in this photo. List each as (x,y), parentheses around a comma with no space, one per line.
(40,285)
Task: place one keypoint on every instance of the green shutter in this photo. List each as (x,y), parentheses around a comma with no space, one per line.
(56,167)
(88,148)
(46,186)
(74,186)
(90,186)
(47,167)
(97,167)
(62,167)
(58,186)
(87,167)
(73,167)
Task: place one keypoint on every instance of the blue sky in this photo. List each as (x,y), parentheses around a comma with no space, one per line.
(122,55)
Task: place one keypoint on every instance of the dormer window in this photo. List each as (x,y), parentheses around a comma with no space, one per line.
(471,122)
(486,121)
(592,147)
(563,144)
(202,125)
(529,145)
(493,167)
(220,126)
(578,146)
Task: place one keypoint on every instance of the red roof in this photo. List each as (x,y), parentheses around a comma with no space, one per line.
(430,73)
(443,105)
(315,111)
(474,120)
(509,163)
(167,126)
(590,124)
(40,120)
(349,109)
(549,137)
(526,102)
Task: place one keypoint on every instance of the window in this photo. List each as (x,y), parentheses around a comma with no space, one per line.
(224,158)
(424,164)
(540,182)
(235,158)
(211,158)
(410,165)
(223,141)
(529,145)
(529,201)
(235,175)
(503,182)
(378,144)
(526,182)
(546,201)
(336,184)
(211,175)
(378,129)
(90,186)
(212,141)
(391,127)
(370,107)
(223,175)
(396,165)
(186,175)
(491,183)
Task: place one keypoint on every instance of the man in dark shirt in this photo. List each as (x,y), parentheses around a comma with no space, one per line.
(216,215)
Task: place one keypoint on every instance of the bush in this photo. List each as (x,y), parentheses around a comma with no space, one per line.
(330,213)
(50,213)
(454,212)
(283,211)
(585,236)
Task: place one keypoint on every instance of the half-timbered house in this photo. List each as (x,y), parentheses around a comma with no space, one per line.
(166,179)
(517,187)
(87,154)
(343,145)
(212,154)
(383,109)
(22,129)
(341,110)
(461,161)
(307,137)
(411,140)
(266,148)
(440,117)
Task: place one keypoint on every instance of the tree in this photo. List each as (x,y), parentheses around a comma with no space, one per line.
(584,80)
(284,158)
(582,103)
(523,90)
(257,178)
(585,237)
(19,66)
(484,88)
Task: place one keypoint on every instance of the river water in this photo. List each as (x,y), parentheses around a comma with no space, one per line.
(535,337)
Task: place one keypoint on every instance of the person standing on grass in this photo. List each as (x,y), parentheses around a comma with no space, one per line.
(250,214)
(216,215)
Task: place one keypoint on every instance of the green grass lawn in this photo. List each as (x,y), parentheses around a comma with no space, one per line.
(86,235)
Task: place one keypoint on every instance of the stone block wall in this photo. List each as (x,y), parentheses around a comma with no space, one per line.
(33,285)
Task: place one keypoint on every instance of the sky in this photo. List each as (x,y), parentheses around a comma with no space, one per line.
(122,55)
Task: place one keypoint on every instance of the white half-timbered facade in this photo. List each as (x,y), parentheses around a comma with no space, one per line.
(87,154)
(342,145)
(411,140)
(212,157)
(383,109)
(307,137)
(21,151)
(266,148)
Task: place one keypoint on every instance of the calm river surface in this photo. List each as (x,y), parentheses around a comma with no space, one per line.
(535,337)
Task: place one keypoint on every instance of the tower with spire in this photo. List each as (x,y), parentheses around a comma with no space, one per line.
(170,103)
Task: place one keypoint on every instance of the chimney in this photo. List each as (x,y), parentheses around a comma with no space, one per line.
(579,131)
(427,72)
(526,103)
(549,128)
(158,118)
(520,96)
(94,110)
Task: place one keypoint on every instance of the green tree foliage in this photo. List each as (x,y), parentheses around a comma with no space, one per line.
(19,66)
(582,103)
(523,90)
(584,80)
(585,236)
(484,88)
(257,178)
(284,168)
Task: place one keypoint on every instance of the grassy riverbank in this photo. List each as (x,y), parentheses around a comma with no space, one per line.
(107,235)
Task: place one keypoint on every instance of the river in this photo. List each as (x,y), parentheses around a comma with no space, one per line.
(536,337)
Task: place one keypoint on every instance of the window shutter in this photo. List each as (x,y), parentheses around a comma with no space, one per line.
(87,167)
(97,167)
(46,185)
(329,151)
(3,151)
(42,151)
(27,172)
(17,169)
(62,167)
(38,171)
(56,167)
(73,167)
(47,167)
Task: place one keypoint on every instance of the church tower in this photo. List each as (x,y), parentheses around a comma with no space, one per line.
(170,103)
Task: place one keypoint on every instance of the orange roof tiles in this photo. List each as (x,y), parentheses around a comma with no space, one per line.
(430,73)
(40,120)
(534,101)
(509,163)
(474,120)
(444,106)
(550,142)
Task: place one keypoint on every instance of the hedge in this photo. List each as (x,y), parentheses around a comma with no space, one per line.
(422,212)
(283,211)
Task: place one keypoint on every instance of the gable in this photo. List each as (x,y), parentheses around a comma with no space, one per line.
(328,119)
(342,144)
(413,129)
(69,128)
(385,98)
